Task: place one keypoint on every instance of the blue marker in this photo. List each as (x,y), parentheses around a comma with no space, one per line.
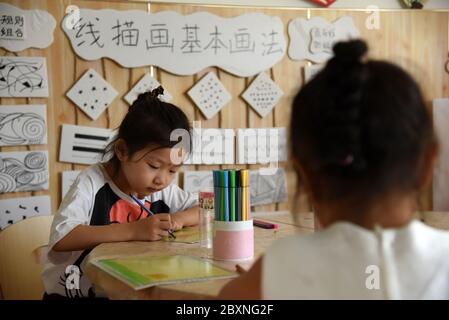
(150,213)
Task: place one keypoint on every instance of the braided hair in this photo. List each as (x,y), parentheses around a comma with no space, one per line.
(359,127)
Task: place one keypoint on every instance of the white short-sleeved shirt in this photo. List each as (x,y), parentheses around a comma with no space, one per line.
(94,199)
(346,261)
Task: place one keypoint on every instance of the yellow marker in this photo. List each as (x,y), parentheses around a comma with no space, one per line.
(245,198)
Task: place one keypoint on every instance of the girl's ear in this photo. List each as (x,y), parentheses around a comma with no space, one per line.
(120,150)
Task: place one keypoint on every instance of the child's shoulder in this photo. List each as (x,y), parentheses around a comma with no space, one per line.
(95,171)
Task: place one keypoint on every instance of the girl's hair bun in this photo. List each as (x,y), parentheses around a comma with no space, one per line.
(350,52)
(156,92)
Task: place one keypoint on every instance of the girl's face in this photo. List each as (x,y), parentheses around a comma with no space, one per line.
(148,171)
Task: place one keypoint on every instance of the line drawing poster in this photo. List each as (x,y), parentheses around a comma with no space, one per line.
(23,171)
(181,44)
(18,209)
(23,125)
(92,94)
(68,177)
(83,145)
(23,77)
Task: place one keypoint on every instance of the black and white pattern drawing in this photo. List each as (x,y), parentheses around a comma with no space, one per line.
(262,94)
(92,94)
(261,145)
(267,188)
(209,95)
(68,177)
(23,171)
(146,83)
(196,181)
(23,77)
(18,209)
(84,145)
(23,125)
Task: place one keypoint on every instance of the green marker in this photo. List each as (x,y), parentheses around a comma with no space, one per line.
(222,199)
(232,191)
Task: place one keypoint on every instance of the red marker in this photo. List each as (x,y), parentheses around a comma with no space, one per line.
(265,225)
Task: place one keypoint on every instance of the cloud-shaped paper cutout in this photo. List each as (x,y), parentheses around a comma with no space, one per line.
(38,28)
(313,39)
(181,44)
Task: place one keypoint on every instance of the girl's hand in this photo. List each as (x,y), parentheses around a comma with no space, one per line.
(176,222)
(152,228)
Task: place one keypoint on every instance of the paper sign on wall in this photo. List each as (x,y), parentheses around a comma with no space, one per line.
(83,145)
(146,83)
(196,181)
(313,39)
(22,29)
(244,45)
(23,77)
(18,209)
(92,94)
(23,171)
(212,146)
(267,188)
(68,177)
(261,145)
(441,172)
(23,125)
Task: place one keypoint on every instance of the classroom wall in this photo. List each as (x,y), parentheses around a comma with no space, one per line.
(416,40)
(339,4)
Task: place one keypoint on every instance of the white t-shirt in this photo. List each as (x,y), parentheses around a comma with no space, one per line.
(346,261)
(94,199)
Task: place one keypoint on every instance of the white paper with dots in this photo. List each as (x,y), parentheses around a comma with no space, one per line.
(92,94)
(18,209)
(146,83)
(209,95)
(263,94)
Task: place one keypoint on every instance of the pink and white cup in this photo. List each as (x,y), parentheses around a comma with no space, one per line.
(233,240)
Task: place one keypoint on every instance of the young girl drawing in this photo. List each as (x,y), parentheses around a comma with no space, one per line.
(99,208)
(364,147)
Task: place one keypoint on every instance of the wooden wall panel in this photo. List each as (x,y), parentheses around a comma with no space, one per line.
(416,40)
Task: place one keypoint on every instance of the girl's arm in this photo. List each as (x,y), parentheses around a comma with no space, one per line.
(85,237)
(186,218)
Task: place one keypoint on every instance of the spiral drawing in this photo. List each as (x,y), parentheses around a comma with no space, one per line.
(7,183)
(22,128)
(26,175)
(35,160)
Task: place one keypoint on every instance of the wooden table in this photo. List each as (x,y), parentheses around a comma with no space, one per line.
(116,289)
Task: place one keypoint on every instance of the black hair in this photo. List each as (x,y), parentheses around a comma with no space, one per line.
(360,127)
(149,121)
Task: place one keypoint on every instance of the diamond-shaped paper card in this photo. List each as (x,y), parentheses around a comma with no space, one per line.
(92,94)
(146,83)
(209,95)
(263,94)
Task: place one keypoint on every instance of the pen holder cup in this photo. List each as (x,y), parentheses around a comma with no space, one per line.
(233,240)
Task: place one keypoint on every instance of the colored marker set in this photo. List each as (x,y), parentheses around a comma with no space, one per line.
(233,230)
(231,195)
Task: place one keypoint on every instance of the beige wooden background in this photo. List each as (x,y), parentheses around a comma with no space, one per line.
(416,40)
